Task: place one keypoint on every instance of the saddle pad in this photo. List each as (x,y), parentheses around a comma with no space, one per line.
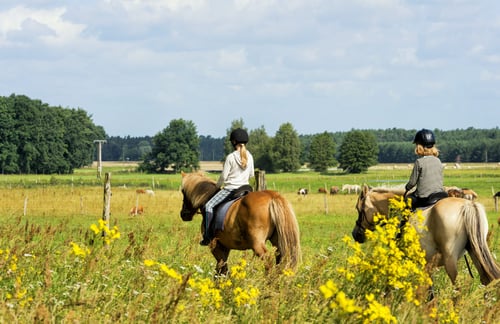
(220,214)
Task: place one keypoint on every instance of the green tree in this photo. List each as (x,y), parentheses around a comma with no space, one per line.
(305,147)
(260,145)
(322,152)
(9,157)
(38,138)
(79,135)
(177,146)
(358,151)
(286,147)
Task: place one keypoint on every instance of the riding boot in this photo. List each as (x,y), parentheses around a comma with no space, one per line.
(206,233)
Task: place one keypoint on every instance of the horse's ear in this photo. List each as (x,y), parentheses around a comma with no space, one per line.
(366,188)
(183,174)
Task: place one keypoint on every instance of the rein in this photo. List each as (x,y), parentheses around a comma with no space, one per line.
(468,266)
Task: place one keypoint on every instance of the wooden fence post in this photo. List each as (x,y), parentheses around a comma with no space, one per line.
(326,200)
(260,180)
(25,209)
(107,200)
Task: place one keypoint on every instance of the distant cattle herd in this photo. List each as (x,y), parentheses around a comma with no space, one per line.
(355,189)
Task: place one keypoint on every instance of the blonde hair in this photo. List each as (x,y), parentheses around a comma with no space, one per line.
(426,151)
(243,155)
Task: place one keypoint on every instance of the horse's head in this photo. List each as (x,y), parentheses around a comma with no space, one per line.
(366,211)
(188,210)
(196,190)
(371,201)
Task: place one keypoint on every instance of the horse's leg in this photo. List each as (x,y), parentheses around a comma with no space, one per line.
(450,266)
(274,242)
(221,254)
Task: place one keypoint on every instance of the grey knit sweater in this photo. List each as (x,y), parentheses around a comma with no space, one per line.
(427,175)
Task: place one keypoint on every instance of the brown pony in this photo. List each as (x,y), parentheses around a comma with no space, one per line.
(250,222)
(454,225)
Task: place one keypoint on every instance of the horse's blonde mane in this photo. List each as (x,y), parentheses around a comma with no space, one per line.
(198,188)
(396,191)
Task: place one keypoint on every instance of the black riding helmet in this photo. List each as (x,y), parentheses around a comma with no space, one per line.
(238,136)
(425,137)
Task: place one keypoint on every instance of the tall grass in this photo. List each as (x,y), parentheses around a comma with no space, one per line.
(56,267)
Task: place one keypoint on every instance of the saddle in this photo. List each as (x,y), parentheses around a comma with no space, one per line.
(423,203)
(221,209)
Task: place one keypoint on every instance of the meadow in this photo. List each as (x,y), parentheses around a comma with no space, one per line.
(57,267)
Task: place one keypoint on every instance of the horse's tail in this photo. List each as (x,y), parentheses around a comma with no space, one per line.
(287,229)
(476,226)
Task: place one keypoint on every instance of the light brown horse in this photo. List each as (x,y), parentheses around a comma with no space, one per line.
(454,225)
(250,222)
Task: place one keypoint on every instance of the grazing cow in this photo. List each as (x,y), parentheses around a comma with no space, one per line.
(140,191)
(322,190)
(334,190)
(302,191)
(461,193)
(469,194)
(455,192)
(136,210)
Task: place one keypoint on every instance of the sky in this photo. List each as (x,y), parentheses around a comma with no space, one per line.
(320,65)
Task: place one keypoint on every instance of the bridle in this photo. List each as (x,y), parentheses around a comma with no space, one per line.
(362,217)
(188,210)
(359,222)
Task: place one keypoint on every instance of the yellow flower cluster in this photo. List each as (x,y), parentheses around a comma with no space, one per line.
(446,313)
(288,272)
(109,235)
(164,269)
(209,294)
(391,262)
(373,312)
(238,271)
(81,252)
(9,263)
(246,297)
(376,312)
(384,265)
(338,299)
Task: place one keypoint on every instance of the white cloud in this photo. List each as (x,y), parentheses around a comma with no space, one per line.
(18,18)
(176,56)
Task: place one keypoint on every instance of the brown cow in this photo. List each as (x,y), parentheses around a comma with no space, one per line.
(334,190)
(469,194)
(136,210)
(455,192)
(322,190)
(461,193)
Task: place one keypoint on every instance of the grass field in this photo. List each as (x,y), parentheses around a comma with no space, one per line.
(55,268)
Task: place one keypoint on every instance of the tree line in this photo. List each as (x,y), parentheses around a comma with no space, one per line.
(38,138)
(394,146)
(353,151)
